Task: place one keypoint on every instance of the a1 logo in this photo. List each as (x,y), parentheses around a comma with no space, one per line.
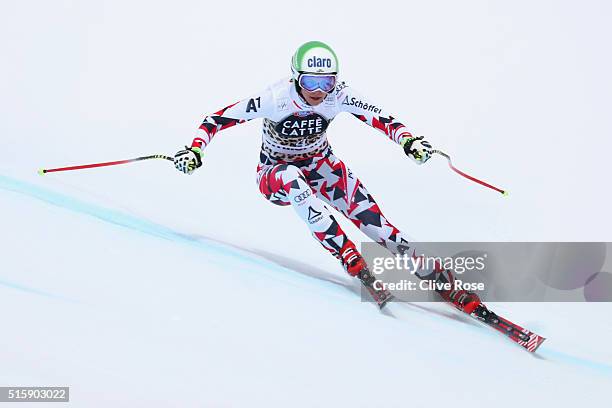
(251,106)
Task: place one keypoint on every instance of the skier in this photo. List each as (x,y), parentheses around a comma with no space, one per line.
(297,166)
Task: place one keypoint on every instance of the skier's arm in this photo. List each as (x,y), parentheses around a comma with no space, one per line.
(363,109)
(256,106)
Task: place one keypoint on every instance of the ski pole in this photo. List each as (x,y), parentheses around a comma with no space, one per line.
(113,163)
(467,176)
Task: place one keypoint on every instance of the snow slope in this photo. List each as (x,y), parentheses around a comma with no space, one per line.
(138,286)
(128,312)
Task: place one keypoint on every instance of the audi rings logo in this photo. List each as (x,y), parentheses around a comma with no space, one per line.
(302,196)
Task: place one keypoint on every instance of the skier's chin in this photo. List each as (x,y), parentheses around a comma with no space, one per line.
(314,98)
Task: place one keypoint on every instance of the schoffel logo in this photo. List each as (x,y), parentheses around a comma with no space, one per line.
(302,196)
(297,125)
(316,62)
(360,104)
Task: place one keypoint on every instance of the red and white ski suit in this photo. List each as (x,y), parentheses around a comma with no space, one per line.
(297,166)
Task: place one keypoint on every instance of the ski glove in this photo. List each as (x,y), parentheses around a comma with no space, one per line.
(417,149)
(188,160)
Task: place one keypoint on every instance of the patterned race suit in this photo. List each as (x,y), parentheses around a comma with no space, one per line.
(297,166)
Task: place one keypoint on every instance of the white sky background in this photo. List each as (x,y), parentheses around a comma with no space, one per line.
(518,93)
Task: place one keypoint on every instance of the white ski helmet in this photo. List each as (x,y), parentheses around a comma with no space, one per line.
(314,57)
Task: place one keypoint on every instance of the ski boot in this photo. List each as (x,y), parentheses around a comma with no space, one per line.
(463,300)
(356,266)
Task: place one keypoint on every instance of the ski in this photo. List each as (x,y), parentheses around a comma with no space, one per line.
(523,337)
(381,296)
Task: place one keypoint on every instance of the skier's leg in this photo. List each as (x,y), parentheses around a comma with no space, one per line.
(285,184)
(365,214)
(336,185)
(339,187)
